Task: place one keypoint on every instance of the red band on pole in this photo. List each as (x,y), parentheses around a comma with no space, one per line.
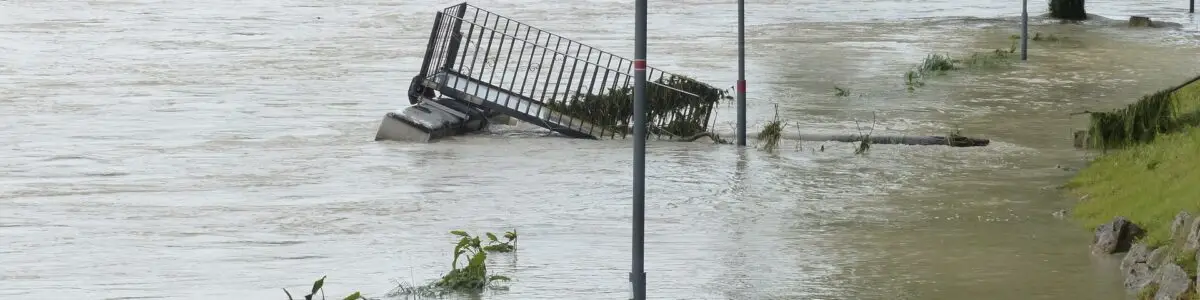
(639,65)
(741,86)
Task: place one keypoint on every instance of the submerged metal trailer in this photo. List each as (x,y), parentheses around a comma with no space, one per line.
(480,65)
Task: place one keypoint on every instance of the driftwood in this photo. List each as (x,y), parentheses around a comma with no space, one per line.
(953,141)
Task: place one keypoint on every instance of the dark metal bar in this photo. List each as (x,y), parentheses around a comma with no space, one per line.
(429,51)
(582,78)
(520,54)
(456,36)
(487,56)
(537,75)
(553,60)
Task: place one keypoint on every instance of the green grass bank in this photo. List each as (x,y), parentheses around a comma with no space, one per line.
(1150,169)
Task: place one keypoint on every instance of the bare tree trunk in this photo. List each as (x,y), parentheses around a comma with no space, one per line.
(1067,10)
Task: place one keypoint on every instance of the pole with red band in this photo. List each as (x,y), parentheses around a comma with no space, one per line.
(637,277)
(741,83)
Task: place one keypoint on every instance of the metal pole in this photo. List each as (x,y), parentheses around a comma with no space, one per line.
(638,276)
(741,83)
(1024,30)
(1192,6)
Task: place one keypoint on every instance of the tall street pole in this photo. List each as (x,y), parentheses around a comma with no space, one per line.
(741,83)
(638,276)
(1024,30)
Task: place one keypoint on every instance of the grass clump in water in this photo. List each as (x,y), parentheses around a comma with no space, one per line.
(772,133)
(471,276)
(669,109)
(841,92)
(940,64)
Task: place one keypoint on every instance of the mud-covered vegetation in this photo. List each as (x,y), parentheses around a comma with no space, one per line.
(1165,111)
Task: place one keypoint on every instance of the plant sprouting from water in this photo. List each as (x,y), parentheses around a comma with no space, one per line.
(772,133)
(495,245)
(468,270)
(840,92)
(319,285)
(865,144)
(940,64)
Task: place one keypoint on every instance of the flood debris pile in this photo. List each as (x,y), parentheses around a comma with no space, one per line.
(1154,269)
(670,110)
(462,87)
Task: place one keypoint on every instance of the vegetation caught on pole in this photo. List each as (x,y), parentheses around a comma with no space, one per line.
(668,111)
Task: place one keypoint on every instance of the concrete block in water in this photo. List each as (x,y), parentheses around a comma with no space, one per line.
(430,120)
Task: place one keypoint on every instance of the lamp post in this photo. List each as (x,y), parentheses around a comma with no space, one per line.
(637,277)
(1025,30)
(741,82)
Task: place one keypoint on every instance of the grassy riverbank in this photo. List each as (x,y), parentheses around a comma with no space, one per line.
(1150,180)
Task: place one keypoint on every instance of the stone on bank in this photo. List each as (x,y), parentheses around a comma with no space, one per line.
(1116,236)
(1163,273)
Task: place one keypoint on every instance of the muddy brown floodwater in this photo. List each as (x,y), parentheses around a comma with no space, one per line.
(222,150)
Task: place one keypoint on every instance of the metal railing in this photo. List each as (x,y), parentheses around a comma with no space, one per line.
(553,72)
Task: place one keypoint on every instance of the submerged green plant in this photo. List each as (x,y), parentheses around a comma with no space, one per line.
(319,286)
(506,246)
(913,80)
(472,275)
(840,92)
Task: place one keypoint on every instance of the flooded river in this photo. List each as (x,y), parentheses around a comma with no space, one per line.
(223,150)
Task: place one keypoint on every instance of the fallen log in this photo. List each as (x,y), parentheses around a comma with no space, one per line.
(952,141)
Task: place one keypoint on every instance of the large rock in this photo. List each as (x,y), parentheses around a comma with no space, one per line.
(1193,237)
(1179,227)
(1172,281)
(1138,254)
(1138,277)
(1140,21)
(1158,257)
(1115,236)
